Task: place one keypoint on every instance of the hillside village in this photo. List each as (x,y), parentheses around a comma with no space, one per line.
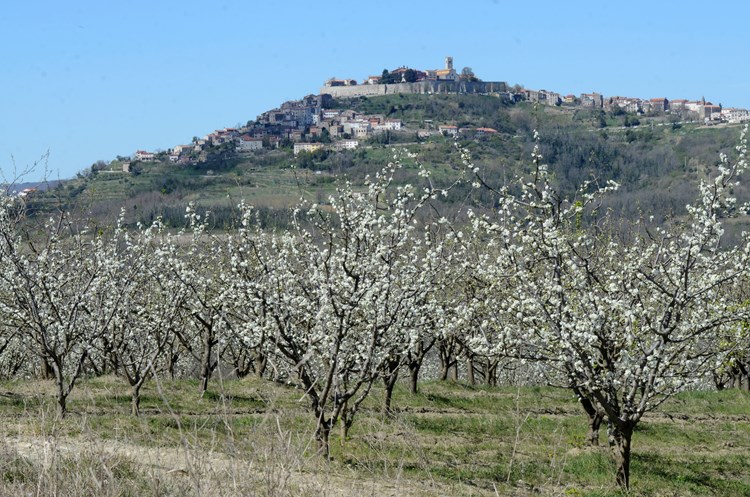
(312,123)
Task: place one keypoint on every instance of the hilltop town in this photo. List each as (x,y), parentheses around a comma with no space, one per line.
(313,122)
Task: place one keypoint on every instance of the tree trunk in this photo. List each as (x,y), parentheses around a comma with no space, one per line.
(346,420)
(490,372)
(135,401)
(260,362)
(62,401)
(414,367)
(62,396)
(46,372)
(595,421)
(242,361)
(453,371)
(621,437)
(207,362)
(172,367)
(390,382)
(322,436)
(443,371)
(470,370)
(445,353)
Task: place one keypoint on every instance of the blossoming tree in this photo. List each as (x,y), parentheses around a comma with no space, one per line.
(627,321)
(337,296)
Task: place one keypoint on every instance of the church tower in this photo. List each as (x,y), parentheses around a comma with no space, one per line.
(449,63)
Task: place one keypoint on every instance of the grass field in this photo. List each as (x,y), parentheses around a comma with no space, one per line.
(252,437)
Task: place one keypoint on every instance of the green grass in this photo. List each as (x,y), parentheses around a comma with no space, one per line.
(450,439)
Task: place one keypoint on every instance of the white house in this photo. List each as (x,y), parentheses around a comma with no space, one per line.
(389,125)
(345,145)
(248,144)
(143,155)
(182,149)
(448,129)
(735,115)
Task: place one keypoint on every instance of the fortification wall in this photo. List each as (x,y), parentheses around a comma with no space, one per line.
(419,87)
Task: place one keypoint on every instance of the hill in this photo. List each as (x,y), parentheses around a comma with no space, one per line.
(657,159)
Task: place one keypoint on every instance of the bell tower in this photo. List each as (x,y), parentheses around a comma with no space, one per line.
(449,63)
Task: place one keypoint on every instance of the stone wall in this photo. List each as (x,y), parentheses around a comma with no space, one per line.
(419,87)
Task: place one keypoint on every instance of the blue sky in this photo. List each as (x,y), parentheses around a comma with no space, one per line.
(84,81)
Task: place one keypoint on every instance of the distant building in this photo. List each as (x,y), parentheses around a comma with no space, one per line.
(400,74)
(446,74)
(592,100)
(248,143)
(710,112)
(677,105)
(345,145)
(389,125)
(551,97)
(627,104)
(695,106)
(306,147)
(486,131)
(341,82)
(330,113)
(530,95)
(358,128)
(448,129)
(659,104)
(144,156)
(735,115)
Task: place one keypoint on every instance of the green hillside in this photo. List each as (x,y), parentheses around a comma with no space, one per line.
(657,160)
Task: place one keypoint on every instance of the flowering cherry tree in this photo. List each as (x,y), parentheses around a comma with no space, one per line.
(57,292)
(151,310)
(627,321)
(194,260)
(336,297)
(252,263)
